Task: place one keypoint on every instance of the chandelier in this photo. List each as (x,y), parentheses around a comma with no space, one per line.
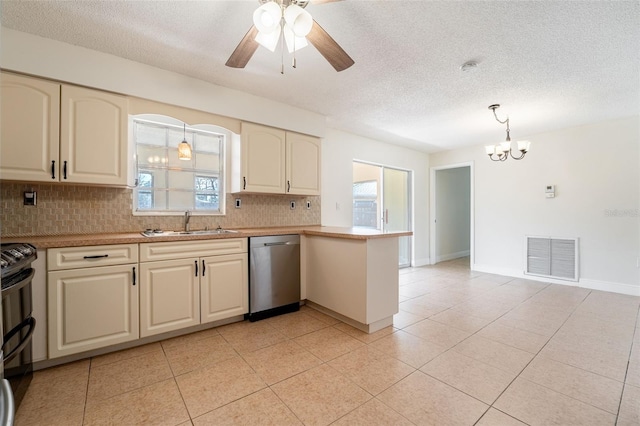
(502,151)
(276,19)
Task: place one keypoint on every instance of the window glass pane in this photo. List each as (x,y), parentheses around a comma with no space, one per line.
(150,135)
(181,200)
(207,201)
(210,162)
(151,156)
(145,200)
(180,180)
(207,143)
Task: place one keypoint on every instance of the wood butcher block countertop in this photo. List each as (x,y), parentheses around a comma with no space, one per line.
(77,240)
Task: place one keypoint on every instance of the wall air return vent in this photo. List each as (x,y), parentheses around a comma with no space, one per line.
(552,257)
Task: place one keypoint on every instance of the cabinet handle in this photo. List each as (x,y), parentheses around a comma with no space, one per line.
(97,256)
(288,186)
(244,185)
(204,268)
(64,170)
(53,169)
(134,275)
(196,262)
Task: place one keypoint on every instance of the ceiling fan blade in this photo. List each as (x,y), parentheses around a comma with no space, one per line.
(245,50)
(327,46)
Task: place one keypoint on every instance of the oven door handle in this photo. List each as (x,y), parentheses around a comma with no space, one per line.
(17,286)
(31,322)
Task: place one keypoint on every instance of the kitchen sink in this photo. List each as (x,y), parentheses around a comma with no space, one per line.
(159,233)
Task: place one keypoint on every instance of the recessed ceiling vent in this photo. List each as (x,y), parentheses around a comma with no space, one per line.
(552,257)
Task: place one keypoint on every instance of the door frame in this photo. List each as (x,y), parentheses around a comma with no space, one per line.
(432,210)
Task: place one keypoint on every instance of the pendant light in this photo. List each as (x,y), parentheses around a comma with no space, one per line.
(184,149)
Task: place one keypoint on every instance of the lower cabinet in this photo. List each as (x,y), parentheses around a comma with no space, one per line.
(180,293)
(224,287)
(90,308)
(98,296)
(169,296)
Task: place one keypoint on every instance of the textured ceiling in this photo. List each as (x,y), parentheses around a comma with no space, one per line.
(550,64)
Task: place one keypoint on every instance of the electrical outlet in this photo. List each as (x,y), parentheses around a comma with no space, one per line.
(293,205)
(30,198)
(238,203)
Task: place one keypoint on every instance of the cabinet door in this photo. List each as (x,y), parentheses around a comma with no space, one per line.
(263,159)
(303,164)
(224,287)
(30,116)
(93,137)
(169,296)
(91,308)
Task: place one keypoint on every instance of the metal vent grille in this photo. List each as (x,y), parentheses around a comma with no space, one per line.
(552,257)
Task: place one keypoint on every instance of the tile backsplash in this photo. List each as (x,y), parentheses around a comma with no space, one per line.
(74,209)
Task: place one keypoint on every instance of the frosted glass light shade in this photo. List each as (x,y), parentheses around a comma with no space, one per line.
(298,19)
(490,149)
(269,40)
(505,146)
(294,42)
(184,150)
(524,146)
(267,17)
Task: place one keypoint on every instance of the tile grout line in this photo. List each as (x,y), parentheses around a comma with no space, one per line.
(626,371)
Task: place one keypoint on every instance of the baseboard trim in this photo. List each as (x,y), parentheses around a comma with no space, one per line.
(629,289)
(451,256)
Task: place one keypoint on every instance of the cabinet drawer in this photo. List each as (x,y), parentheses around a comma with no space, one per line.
(89,256)
(181,249)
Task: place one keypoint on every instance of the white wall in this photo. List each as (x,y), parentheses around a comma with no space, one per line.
(340,149)
(453,193)
(596,172)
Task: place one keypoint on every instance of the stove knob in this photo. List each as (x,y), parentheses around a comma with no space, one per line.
(3,263)
(15,253)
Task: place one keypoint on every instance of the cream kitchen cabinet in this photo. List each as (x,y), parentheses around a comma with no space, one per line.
(92,297)
(274,161)
(187,283)
(30,118)
(54,132)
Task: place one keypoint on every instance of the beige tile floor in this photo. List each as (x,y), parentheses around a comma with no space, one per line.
(466,349)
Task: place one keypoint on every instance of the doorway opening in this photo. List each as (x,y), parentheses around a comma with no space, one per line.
(452,218)
(382,201)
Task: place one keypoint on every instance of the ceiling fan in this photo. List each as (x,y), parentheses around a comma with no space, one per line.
(326,45)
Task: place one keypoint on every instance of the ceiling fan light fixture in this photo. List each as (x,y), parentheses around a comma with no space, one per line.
(269,40)
(294,43)
(267,17)
(298,19)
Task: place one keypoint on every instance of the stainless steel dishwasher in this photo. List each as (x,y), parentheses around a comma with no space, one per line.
(274,275)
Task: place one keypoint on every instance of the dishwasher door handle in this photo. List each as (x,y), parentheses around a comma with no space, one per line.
(284,243)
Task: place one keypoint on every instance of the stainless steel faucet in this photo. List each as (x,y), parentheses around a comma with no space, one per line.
(187,217)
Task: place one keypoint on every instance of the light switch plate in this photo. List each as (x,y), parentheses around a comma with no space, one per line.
(293,205)
(238,203)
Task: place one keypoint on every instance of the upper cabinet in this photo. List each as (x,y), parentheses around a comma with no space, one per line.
(93,137)
(54,132)
(30,128)
(274,161)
